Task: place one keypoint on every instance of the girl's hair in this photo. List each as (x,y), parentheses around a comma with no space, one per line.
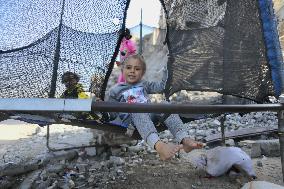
(136,57)
(125,33)
(68,75)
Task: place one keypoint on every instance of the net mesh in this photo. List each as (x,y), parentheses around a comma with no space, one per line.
(34,38)
(214,45)
(218,46)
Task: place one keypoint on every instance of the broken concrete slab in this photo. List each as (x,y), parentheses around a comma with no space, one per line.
(29,180)
(256,148)
(11,130)
(252,148)
(11,169)
(270,147)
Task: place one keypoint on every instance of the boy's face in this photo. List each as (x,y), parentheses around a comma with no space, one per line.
(132,71)
(69,81)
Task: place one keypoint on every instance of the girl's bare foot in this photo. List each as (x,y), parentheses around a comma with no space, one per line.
(189,144)
(166,151)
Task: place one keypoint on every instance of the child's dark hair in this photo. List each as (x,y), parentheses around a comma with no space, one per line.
(69,75)
(137,57)
(127,34)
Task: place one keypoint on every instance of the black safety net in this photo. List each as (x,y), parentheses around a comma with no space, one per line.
(40,40)
(214,45)
(218,46)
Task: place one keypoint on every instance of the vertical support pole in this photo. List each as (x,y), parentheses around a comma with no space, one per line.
(281,138)
(56,55)
(47,137)
(141,38)
(281,133)
(223,118)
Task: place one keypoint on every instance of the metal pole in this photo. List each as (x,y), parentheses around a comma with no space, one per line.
(182,108)
(86,105)
(281,138)
(56,55)
(223,118)
(281,133)
(141,40)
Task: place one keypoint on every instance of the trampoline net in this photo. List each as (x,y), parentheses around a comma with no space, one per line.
(214,45)
(38,45)
(218,45)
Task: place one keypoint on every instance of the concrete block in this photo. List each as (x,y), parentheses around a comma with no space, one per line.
(252,148)
(270,147)
(230,142)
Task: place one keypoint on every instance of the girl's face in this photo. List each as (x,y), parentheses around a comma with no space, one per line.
(132,71)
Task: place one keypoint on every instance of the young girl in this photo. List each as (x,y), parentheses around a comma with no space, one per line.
(127,48)
(136,90)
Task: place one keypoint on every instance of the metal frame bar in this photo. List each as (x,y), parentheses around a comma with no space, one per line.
(45,105)
(182,108)
(87,105)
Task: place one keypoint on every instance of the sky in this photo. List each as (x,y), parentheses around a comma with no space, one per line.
(151,12)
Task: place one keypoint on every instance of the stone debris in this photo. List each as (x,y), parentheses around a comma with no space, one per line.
(257,148)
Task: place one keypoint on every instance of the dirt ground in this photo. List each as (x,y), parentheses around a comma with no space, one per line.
(147,172)
(180,174)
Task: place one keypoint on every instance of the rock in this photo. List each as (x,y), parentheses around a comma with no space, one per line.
(96,166)
(135,149)
(45,184)
(216,122)
(29,180)
(199,183)
(54,185)
(6,182)
(252,148)
(261,147)
(270,147)
(100,150)
(115,151)
(61,155)
(119,171)
(259,163)
(91,151)
(11,169)
(55,168)
(230,142)
(166,134)
(82,167)
(116,160)
(71,184)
